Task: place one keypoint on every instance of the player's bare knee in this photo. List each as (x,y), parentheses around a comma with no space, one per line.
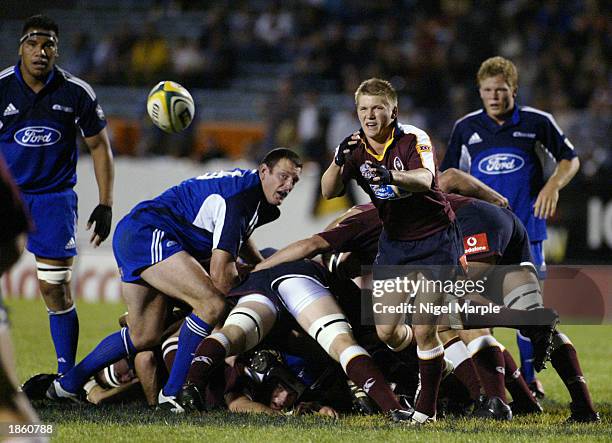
(211,310)
(144,338)
(385,333)
(424,333)
(145,359)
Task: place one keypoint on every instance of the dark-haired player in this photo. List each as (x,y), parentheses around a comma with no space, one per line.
(159,247)
(42,109)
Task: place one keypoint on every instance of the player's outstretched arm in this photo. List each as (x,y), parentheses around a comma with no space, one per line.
(457,181)
(241,403)
(102,156)
(546,203)
(306,248)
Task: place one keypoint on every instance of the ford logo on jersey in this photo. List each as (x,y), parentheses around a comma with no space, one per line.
(35,136)
(500,164)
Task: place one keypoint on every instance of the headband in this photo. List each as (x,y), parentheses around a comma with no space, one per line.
(28,35)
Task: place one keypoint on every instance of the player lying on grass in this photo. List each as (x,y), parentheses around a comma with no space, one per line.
(158,247)
(505,243)
(278,297)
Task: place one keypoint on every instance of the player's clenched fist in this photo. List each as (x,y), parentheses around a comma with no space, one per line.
(345,147)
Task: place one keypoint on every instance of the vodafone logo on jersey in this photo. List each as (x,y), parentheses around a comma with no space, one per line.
(500,164)
(475,244)
(37,136)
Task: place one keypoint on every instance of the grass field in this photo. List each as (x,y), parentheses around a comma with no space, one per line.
(135,423)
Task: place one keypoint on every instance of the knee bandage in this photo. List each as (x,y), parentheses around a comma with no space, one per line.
(405,342)
(249,321)
(326,329)
(525,297)
(52,274)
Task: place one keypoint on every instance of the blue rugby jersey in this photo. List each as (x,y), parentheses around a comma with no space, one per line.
(218,210)
(38,130)
(509,157)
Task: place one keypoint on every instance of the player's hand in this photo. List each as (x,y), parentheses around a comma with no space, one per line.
(499,200)
(328,412)
(102,216)
(345,148)
(380,174)
(546,203)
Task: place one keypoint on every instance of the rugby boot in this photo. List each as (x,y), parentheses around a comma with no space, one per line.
(55,392)
(35,388)
(541,335)
(169,403)
(362,404)
(526,408)
(581,415)
(410,417)
(190,398)
(493,408)
(537,388)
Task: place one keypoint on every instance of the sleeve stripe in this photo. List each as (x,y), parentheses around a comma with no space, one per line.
(77,81)
(8,71)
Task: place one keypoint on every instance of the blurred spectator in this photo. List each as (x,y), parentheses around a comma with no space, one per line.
(80,62)
(188,62)
(150,56)
(273,28)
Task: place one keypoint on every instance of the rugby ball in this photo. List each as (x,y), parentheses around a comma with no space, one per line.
(170,106)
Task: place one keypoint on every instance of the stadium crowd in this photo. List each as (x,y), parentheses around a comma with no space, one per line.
(428,50)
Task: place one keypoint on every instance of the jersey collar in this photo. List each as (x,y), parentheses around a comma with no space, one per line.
(48,81)
(494,127)
(390,141)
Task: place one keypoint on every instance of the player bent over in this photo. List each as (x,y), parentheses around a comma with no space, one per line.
(297,290)
(159,246)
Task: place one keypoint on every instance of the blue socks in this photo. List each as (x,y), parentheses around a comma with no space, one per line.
(64,327)
(112,348)
(193,331)
(526,353)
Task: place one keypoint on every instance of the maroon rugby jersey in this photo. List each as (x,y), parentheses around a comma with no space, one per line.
(405,215)
(358,229)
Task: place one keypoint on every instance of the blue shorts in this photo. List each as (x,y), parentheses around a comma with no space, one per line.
(537,253)
(439,252)
(138,245)
(489,230)
(55,224)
